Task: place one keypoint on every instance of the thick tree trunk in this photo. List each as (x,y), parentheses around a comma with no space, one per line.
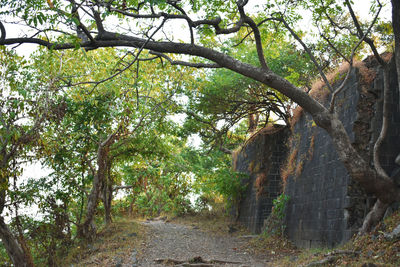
(383,187)
(14,250)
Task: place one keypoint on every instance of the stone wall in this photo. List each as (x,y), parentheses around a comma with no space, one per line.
(326,207)
(260,158)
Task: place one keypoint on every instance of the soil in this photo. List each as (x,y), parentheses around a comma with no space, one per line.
(171,244)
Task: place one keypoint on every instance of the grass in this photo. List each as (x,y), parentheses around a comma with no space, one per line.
(370,248)
(113,243)
(216,222)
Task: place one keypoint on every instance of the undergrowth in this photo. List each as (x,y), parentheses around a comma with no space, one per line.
(113,243)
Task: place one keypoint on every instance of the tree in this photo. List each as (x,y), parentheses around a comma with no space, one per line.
(88,24)
(100,128)
(26,105)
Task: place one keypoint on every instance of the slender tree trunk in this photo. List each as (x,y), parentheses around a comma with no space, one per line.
(14,250)
(88,228)
(107,194)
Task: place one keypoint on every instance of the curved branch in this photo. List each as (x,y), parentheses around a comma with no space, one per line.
(368,40)
(385,124)
(256,32)
(3,32)
(308,51)
(338,90)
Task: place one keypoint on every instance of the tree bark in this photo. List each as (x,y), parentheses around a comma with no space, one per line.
(383,187)
(108,193)
(14,250)
(373,217)
(88,229)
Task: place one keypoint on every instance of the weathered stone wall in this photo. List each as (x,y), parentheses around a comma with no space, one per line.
(326,207)
(260,158)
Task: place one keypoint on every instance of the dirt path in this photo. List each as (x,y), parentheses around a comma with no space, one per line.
(183,243)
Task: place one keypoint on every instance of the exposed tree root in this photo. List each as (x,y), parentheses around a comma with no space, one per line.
(373,217)
(332,256)
(394,235)
(195,262)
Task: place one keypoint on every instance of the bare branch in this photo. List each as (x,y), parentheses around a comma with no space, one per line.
(115,188)
(96,83)
(308,51)
(340,88)
(256,32)
(368,40)
(3,32)
(185,63)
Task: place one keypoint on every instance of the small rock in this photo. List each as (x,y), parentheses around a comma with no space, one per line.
(132,234)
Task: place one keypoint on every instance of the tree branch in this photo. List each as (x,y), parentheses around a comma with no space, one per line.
(185,63)
(3,32)
(369,41)
(308,51)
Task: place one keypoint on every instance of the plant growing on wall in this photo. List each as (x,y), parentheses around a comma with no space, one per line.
(275,224)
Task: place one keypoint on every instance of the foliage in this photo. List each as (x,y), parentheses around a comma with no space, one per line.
(275,225)
(214,178)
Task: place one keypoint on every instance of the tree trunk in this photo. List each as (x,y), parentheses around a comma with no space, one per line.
(14,250)
(383,187)
(88,229)
(107,194)
(373,217)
